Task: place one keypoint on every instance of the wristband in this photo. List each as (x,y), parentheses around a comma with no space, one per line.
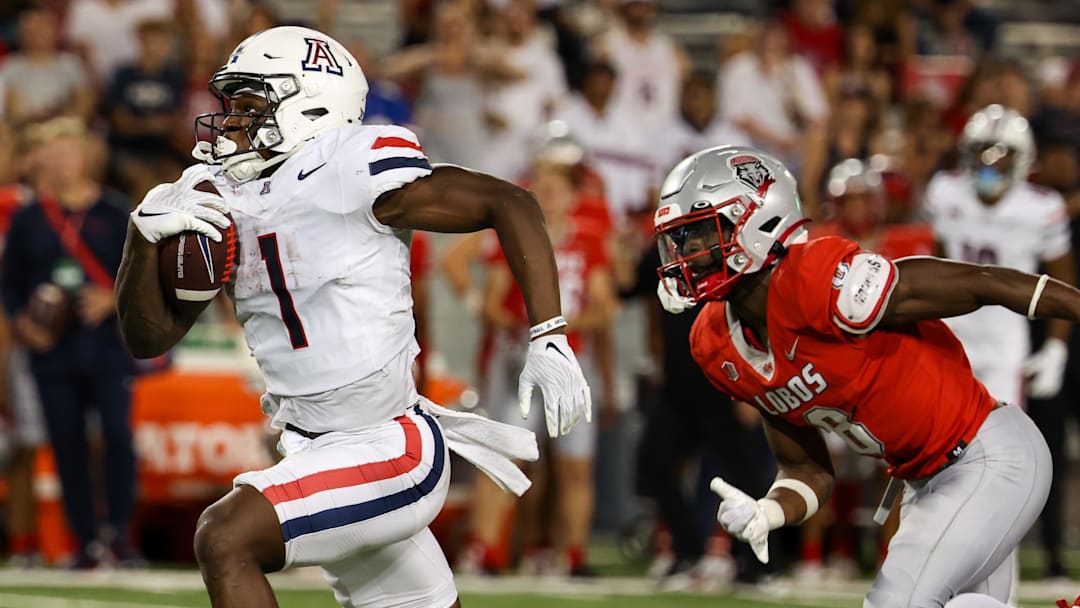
(550,325)
(802,489)
(774,513)
(1036,295)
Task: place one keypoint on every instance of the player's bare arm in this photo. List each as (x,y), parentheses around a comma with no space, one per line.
(1062,269)
(933,288)
(801,454)
(148,324)
(453,199)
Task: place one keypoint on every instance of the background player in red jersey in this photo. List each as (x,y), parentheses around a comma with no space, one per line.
(824,335)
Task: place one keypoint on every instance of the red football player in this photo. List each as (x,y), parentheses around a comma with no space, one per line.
(822,335)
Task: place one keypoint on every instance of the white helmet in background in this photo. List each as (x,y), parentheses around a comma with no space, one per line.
(725,213)
(997,148)
(311,82)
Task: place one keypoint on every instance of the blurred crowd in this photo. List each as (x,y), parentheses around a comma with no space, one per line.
(589,104)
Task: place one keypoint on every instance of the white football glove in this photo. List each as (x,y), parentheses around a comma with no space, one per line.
(745,518)
(670,299)
(552,366)
(1046,369)
(169,209)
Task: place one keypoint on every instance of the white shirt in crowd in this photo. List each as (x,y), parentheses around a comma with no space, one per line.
(618,149)
(771,100)
(677,140)
(109,32)
(647,78)
(523,105)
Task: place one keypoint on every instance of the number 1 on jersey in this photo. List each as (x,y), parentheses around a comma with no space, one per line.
(268,246)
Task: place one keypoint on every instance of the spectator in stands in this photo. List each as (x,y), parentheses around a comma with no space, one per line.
(104,31)
(201,60)
(589,302)
(386,105)
(450,109)
(814,33)
(650,64)
(18,394)
(891,23)
(860,70)
(250,17)
(956,27)
(518,106)
(40,81)
(144,103)
(58,268)
(698,126)
(852,123)
(775,97)
(616,146)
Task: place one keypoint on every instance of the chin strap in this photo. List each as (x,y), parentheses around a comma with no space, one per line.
(239,168)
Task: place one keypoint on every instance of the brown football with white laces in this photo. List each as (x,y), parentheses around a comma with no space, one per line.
(192,267)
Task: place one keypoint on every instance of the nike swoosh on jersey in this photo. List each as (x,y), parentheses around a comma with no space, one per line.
(302,176)
(552,346)
(790,354)
(142,213)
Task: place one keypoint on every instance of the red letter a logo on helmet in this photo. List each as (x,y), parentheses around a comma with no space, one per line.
(319,58)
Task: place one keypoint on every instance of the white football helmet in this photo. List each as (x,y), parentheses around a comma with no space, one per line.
(725,213)
(311,82)
(990,135)
(856,196)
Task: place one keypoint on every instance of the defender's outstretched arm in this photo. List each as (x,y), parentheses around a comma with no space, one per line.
(933,288)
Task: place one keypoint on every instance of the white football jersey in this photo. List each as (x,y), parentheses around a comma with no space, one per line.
(1027,226)
(322,288)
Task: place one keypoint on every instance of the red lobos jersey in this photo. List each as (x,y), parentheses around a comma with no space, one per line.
(905,394)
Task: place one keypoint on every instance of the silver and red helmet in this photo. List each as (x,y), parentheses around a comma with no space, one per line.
(725,213)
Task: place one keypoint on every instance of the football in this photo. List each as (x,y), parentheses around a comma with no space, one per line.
(194,268)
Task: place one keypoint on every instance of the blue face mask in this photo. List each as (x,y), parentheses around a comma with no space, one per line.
(990,183)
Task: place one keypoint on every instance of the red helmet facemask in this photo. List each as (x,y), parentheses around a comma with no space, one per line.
(695,249)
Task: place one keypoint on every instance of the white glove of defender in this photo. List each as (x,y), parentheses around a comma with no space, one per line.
(743,517)
(1046,369)
(552,366)
(169,209)
(670,298)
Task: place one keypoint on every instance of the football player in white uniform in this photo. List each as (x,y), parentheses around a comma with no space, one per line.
(323,208)
(988,213)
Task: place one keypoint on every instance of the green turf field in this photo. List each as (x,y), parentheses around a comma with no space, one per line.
(182,589)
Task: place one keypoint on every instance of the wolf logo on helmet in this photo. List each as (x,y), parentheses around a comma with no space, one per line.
(752,172)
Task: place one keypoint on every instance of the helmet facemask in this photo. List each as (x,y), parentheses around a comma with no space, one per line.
(701,249)
(262,131)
